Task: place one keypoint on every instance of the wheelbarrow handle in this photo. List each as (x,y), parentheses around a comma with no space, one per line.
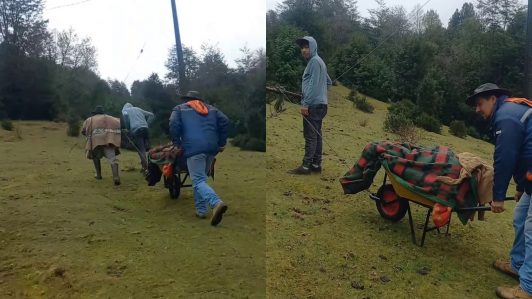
(478,209)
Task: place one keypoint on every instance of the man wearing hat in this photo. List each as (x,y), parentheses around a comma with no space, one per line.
(511,132)
(201,131)
(103,140)
(315,84)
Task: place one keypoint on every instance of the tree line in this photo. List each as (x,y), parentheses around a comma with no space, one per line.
(395,55)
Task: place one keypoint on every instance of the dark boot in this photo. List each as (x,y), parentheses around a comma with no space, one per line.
(98,167)
(315,168)
(300,170)
(116,177)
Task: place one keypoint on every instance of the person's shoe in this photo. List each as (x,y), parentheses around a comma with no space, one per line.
(315,168)
(512,293)
(505,267)
(116,177)
(218,213)
(201,216)
(98,167)
(300,170)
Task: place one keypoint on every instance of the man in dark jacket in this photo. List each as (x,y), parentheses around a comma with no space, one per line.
(201,131)
(511,132)
(315,83)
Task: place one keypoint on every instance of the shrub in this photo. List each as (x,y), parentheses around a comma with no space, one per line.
(428,123)
(458,128)
(362,104)
(7,125)
(471,131)
(74,125)
(363,122)
(245,142)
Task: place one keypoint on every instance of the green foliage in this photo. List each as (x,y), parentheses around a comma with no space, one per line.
(249,143)
(360,102)
(74,125)
(7,125)
(458,129)
(400,116)
(471,131)
(429,123)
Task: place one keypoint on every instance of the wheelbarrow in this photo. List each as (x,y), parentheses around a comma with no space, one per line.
(393,203)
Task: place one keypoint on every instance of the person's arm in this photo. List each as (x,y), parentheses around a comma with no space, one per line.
(508,140)
(329,82)
(149,116)
(175,127)
(84,128)
(223,128)
(308,83)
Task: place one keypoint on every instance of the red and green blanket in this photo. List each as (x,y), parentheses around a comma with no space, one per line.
(416,169)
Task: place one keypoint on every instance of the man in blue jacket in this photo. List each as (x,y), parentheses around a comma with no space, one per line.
(136,122)
(315,84)
(201,131)
(511,132)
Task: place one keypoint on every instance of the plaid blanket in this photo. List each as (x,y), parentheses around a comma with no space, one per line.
(416,169)
(164,154)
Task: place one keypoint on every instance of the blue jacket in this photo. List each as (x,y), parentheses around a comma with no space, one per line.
(136,118)
(315,81)
(198,129)
(513,147)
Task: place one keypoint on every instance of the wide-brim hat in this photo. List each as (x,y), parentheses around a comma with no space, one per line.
(486,89)
(192,95)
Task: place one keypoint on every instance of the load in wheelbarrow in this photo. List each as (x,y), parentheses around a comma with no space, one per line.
(166,161)
(434,178)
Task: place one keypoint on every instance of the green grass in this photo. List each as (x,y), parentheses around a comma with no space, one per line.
(320,241)
(64,234)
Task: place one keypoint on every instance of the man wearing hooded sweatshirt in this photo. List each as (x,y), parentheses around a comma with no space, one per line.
(201,131)
(103,140)
(511,131)
(315,84)
(136,122)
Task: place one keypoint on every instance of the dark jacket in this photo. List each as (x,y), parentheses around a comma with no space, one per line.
(198,128)
(512,137)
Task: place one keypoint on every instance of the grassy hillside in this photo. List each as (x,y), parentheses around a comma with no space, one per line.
(65,235)
(324,244)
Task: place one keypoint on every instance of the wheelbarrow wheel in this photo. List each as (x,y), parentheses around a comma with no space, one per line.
(390,205)
(174,186)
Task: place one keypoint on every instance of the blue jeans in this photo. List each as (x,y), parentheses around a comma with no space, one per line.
(521,253)
(198,167)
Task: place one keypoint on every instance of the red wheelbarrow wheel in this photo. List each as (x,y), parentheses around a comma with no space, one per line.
(390,205)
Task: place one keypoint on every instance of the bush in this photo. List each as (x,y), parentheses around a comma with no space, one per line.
(7,125)
(73,126)
(363,122)
(400,115)
(360,102)
(245,142)
(428,123)
(471,131)
(458,128)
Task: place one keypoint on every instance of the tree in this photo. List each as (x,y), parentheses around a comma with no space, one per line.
(22,25)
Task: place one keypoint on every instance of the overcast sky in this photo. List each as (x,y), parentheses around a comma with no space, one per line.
(119,29)
(445,8)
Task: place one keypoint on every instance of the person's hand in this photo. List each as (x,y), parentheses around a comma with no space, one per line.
(497,206)
(304,111)
(221,149)
(518,196)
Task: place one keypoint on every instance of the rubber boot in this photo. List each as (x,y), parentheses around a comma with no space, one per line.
(116,177)
(98,167)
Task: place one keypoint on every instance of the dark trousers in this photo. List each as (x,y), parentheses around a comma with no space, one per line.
(141,138)
(312,133)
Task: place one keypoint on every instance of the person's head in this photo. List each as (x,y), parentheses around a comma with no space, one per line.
(308,46)
(98,110)
(485,98)
(192,95)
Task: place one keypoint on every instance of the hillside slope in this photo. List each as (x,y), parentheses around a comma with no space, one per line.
(324,244)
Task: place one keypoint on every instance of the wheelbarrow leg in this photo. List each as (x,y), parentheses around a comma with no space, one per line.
(425,230)
(411,222)
(448,225)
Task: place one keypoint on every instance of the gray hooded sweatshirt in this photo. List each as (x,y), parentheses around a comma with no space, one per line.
(316,81)
(136,118)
